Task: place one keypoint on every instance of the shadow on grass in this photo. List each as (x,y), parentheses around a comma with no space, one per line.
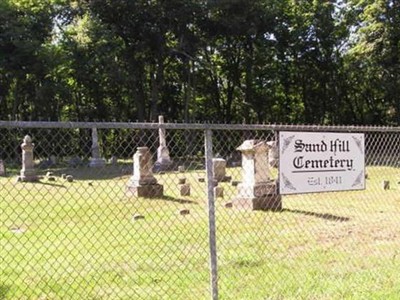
(182,201)
(326,216)
(4,289)
(52,184)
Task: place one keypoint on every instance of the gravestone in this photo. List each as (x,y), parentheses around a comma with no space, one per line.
(273,154)
(96,161)
(28,173)
(164,161)
(53,160)
(218,168)
(143,183)
(218,192)
(256,191)
(2,168)
(113,160)
(184,189)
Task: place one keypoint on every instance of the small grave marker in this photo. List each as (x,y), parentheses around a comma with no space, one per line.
(184,212)
(218,192)
(386,185)
(184,189)
(2,168)
(137,217)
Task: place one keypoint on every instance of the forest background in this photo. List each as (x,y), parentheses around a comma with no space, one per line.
(226,61)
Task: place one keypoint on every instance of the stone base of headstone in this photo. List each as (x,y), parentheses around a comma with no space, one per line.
(97,162)
(28,176)
(147,191)
(262,196)
(162,167)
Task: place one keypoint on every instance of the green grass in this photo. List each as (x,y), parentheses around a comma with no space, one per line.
(78,241)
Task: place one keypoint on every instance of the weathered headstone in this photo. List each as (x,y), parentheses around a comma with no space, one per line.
(218,192)
(218,168)
(273,154)
(256,191)
(28,173)
(53,160)
(181,169)
(184,189)
(2,168)
(96,161)
(113,160)
(143,183)
(164,161)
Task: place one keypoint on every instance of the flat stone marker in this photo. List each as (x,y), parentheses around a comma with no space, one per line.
(201,179)
(137,217)
(184,212)
(228,205)
(184,189)
(182,180)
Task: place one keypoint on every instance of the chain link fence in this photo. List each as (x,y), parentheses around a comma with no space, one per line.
(146,211)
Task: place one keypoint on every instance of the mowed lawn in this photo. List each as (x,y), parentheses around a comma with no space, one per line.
(80,240)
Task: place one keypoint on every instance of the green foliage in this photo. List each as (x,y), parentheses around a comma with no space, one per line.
(293,61)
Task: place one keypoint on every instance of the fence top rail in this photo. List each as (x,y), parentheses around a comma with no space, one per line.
(195,126)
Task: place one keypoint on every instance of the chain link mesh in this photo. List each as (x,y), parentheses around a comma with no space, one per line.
(79,232)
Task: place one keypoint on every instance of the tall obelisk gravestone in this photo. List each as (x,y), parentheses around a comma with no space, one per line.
(163,159)
(28,173)
(96,161)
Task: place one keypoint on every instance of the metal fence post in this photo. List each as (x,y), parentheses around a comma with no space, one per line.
(211,216)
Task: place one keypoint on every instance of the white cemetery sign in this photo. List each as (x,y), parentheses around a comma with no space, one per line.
(321,162)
